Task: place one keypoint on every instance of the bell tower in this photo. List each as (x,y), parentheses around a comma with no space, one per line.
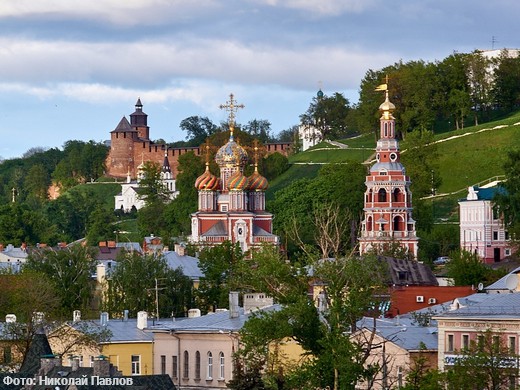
(388,199)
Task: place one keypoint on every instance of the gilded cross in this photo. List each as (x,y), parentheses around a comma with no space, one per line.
(232,107)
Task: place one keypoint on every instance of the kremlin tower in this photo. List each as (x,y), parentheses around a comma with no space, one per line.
(231,207)
(388,200)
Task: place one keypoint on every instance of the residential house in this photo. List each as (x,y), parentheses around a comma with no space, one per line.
(198,351)
(481,229)
(395,346)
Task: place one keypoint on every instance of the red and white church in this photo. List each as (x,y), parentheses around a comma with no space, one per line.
(232,207)
(388,199)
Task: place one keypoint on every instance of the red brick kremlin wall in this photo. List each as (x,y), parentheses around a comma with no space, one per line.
(128,150)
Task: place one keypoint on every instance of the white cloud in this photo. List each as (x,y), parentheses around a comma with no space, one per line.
(150,65)
(322,7)
(125,12)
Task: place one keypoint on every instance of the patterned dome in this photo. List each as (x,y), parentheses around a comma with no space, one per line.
(237,182)
(257,182)
(231,155)
(207,181)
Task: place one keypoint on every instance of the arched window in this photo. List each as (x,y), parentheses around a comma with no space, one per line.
(395,195)
(210,365)
(381,195)
(397,224)
(197,365)
(221,365)
(186,373)
(369,224)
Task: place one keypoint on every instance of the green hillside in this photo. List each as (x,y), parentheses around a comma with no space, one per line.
(467,157)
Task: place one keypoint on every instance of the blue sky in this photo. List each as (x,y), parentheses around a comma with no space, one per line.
(71,69)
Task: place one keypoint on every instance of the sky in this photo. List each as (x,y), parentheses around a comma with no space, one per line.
(71,69)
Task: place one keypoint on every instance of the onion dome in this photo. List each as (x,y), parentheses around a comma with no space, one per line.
(237,182)
(231,155)
(207,181)
(257,182)
(387,105)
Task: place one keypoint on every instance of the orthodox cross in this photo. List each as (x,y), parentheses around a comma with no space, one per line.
(232,107)
(206,152)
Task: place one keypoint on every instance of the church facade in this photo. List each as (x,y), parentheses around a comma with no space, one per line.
(388,199)
(231,207)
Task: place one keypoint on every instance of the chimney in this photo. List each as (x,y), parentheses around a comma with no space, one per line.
(111,244)
(10,318)
(75,363)
(76,316)
(101,273)
(101,366)
(233,305)
(142,320)
(193,313)
(179,249)
(103,319)
(102,244)
(125,315)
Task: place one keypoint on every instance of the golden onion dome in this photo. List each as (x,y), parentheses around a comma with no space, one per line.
(207,181)
(387,105)
(231,155)
(257,182)
(237,182)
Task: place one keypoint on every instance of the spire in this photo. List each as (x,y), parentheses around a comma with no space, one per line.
(206,152)
(255,148)
(232,107)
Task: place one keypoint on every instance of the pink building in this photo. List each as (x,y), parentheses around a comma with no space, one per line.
(481,229)
(388,199)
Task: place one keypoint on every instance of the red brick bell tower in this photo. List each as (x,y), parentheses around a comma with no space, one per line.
(388,200)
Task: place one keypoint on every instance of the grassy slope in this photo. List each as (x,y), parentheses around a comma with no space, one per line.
(468,160)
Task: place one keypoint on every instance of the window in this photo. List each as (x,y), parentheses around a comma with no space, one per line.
(381,195)
(163,364)
(512,344)
(506,235)
(495,236)
(7,355)
(197,365)
(400,376)
(480,342)
(91,361)
(496,343)
(186,373)
(449,347)
(210,365)
(465,342)
(175,367)
(221,368)
(136,364)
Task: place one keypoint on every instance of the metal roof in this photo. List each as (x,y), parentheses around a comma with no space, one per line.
(489,306)
(187,264)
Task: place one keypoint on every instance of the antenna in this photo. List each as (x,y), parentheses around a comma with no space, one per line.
(493,41)
(511,282)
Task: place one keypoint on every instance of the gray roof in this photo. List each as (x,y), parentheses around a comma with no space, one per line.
(130,246)
(124,331)
(211,323)
(258,231)
(218,229)
(188,265)
(389,166)
(490,306)
(402,332)
(500,284)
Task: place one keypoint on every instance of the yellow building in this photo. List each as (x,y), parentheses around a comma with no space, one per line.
(126,344)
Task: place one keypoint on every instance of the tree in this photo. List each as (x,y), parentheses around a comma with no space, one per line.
(350,286)
(197,129)
(151,187)
(133,284)
(329,115)
(70,273)
(220,266)
(487,361)
(36,303)
(37,182)
(100,225)
(466,269)
(178,211)
(506,89)
(260,129)
(507,198)
(274,165)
